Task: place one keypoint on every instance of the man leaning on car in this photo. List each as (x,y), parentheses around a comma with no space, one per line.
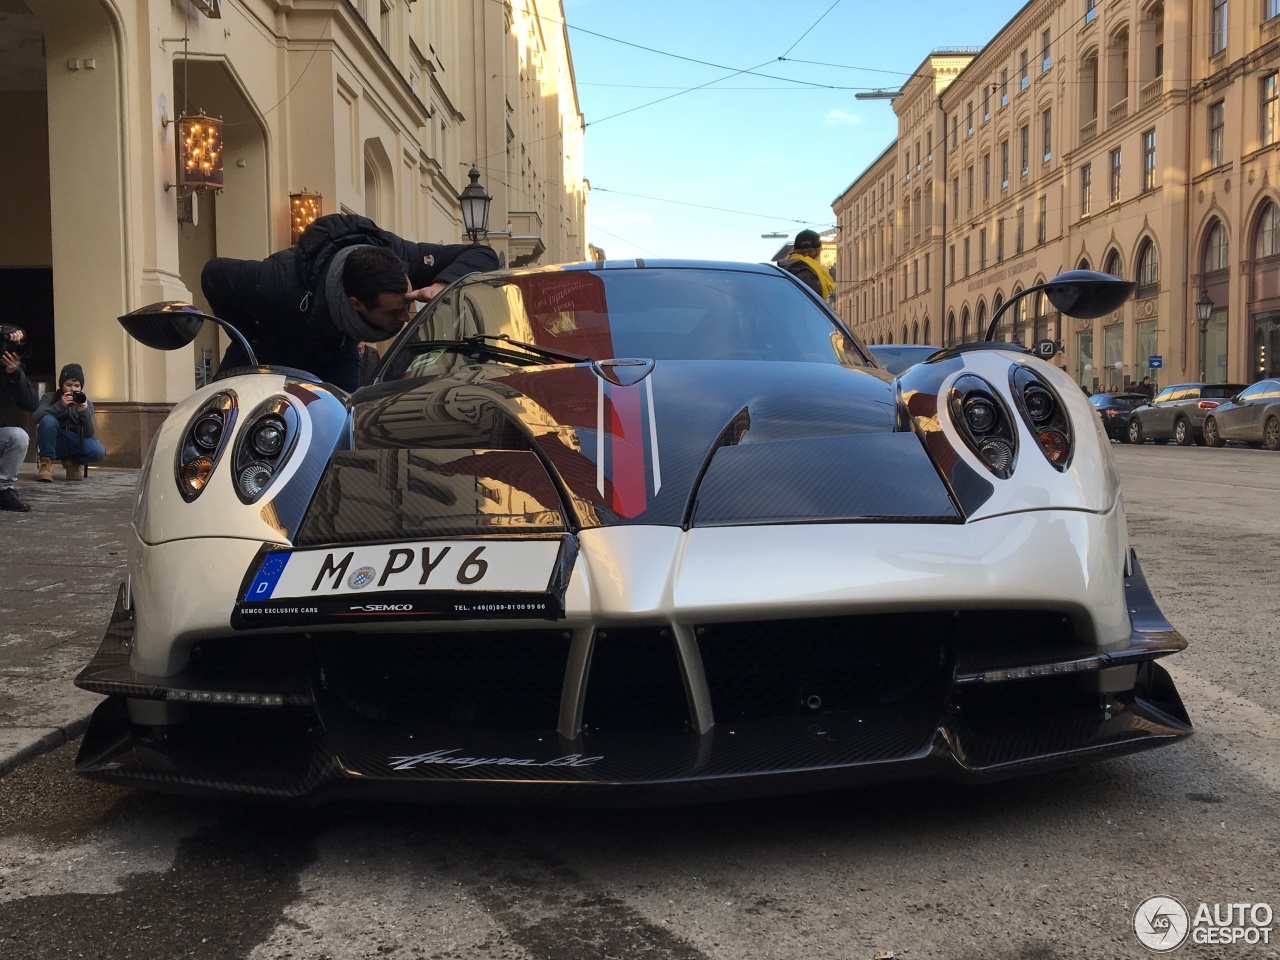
(14,440)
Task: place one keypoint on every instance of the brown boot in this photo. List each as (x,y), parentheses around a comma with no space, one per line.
(74,470)
(45,470)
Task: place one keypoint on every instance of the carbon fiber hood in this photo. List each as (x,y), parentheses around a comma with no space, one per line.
(687,443)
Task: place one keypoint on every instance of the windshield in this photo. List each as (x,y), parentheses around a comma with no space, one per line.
(651,313)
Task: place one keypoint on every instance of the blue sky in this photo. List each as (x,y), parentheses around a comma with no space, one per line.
(705,173)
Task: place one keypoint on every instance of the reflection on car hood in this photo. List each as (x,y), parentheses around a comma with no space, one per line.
(691,444)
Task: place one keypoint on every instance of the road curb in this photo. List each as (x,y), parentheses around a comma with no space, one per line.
(55,738)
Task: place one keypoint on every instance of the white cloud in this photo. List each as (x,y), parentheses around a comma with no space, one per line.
(839,117)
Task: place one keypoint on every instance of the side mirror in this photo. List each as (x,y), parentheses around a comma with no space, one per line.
(173,324)
(1045,349)
(1086,294)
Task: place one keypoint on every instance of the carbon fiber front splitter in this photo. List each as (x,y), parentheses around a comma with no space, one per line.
(287,756)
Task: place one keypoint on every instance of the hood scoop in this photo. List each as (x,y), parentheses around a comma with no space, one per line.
(622,372)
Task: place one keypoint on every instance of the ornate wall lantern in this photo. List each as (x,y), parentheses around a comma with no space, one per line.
(199,152)
(304,209)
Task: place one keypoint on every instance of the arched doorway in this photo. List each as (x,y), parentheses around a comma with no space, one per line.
(1264,298)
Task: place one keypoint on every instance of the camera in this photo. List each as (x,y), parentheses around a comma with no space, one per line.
(9,345)
(79,397)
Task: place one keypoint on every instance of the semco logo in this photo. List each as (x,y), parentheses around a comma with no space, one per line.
(384,607)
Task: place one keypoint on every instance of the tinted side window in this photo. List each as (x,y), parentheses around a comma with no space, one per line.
(1222,390)
(1273,390)
(1259,389)
(1163,395)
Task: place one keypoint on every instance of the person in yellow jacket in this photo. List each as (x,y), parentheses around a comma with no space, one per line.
(803,263)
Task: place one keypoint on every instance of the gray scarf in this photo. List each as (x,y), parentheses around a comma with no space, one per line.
(341,312)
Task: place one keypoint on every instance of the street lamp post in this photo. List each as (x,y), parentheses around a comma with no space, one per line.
(1204,307)
(474,201)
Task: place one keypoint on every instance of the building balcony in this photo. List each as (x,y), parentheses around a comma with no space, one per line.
(1117,112)
(526,244)
(1151,92)
(1089,131)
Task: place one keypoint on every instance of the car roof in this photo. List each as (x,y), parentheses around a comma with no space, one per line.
(638,264)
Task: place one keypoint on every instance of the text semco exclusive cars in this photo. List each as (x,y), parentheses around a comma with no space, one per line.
(626,533)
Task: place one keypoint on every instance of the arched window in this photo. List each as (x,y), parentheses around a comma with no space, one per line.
(951,330)
(1002,331)
(927,338)
(1019,319)
(1084,264)
(980,328)
(1215,249)
(1148,269)
(915,333)
(904,334)
(1267,243)
(964,325)
(1113,265)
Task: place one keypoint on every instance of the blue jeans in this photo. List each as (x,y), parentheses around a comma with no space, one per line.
(59,443)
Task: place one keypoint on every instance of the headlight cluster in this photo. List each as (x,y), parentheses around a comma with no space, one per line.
(203,443)
(265,444)
(985,424)
(1044,415)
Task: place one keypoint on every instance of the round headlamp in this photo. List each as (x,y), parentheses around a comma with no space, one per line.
(997,453)
(268,437)
(1039,404)
(979,414)
(207,432)
(255,477)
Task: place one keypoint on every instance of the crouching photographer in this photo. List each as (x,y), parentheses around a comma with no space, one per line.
(64,427)
(14,385)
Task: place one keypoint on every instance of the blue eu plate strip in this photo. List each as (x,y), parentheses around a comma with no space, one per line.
(264,583)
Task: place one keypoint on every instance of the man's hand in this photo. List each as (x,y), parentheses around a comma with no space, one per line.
(11,362)
(424,294)
(66,399)
(18,335)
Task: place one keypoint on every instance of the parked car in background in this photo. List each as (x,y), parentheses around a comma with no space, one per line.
(1177,413)
(897,357)
(1114,409)
(1252,416)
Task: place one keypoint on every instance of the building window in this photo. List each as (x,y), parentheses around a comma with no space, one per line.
(1090,10)
(986,100)
(1004,88)
(1268,242)
(1115,176)
(951,253)
(955,198)
(1045,60)
(969,121)
(1270,8)
(1148,161)
(1004,164)
(926,271)
(955,131)
(1218,28)
(1042,220)
(1023,79)
(1000,240)
(915,278)
(1215,248)
(966,256)
(1024,140)
(986,177)
(968,173)
(1086,184)
(1019,235)
(1217,132)
(384,26)
(1046,125)
(1148,270)
(982,249)
(928,146)
(1270,106)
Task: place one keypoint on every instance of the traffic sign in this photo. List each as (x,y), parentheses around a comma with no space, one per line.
(1155,361)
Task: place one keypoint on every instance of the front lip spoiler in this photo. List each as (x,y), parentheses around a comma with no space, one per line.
(290,745)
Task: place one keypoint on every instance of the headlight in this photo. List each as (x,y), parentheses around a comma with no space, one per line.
(203,443)
(265,445)
(985,423)
(1044,415)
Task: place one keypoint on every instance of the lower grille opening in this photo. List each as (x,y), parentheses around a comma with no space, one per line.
(826,665)
(487,680)
(635,681)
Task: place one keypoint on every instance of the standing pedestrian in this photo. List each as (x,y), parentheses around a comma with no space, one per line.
(803,263)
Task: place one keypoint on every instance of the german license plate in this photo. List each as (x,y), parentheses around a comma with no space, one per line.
(453,566)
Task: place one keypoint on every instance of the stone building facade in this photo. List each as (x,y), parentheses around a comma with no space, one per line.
(1138,138)
(379,107)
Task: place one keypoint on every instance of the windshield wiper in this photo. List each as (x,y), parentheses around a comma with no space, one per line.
(480,341)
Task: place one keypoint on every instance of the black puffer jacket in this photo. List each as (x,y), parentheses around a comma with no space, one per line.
(279,304)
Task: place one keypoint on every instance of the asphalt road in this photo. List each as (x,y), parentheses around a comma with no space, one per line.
(1036,869)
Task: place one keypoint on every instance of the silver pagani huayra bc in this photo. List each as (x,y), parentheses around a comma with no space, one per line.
(627,533)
